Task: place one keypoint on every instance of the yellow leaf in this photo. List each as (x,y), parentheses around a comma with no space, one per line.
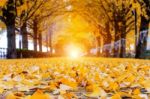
(70,83)
(2,2)
(136,91)
(28,97)
(130,79)
(1,90)
(11,96)
(51,87)
(124,94)
(122,77)
(69,96)
(119,95)
(116,96)
(97,92)
(137,97)
(146,83)
(40,95)
(114,86)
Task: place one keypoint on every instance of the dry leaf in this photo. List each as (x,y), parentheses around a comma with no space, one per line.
(97,92)
(39,95)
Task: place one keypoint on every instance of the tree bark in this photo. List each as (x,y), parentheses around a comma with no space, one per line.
(10,15)
(123,46)
(47,43)
(123,40)
(50,43)
(24,36)
(98,45)
(143,36)
(107,39)
(142,40)
(35,34)
(11,50)
(40,42)
(117,37)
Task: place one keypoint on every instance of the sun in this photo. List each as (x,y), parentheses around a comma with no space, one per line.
(73,51)
(74,54)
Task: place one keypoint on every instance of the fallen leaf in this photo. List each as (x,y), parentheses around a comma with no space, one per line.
(97,92)
(39,95)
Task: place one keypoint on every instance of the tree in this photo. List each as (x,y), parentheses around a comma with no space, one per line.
(44,19)
(122,18)
(143,35)
(32,14)
(87,10)
(26,10)
(114,14)
(25,13)
(8,17)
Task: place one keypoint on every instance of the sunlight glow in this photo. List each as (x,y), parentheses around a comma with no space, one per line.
(74,54)
(73,51)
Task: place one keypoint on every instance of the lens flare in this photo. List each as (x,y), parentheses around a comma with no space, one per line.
(73,51)
(74,54)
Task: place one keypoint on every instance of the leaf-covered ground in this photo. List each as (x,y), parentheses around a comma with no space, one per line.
(83,78)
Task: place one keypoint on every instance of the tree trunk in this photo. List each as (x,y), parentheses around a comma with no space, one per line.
(11,50)
(40,42)
(123,40)
(35,34)
(107,40)
(10,16)
(50,43)
(47,43)
(123,46)
(24,36)
(117,37)
(98,45)
(143,36)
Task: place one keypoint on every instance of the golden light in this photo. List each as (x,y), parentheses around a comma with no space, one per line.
(74,54)
(73,51)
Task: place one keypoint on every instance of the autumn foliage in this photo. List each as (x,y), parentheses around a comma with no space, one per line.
(79,78)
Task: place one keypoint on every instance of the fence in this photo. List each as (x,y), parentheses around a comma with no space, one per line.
(3,53)
(24,54)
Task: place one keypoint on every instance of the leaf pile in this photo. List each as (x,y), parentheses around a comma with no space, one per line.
(63,78)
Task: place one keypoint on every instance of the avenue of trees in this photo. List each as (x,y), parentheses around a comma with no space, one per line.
(113,21)
(22,16)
